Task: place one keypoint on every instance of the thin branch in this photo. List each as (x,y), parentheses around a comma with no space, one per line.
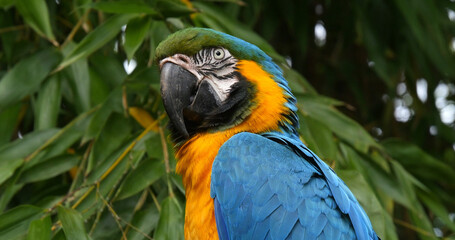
(114,214)
(138,206)
(60,133)
(412,227)
(81,165)
(136,229)
(119,159)
(11,29)
(166,160)
(155,200)
(75,29)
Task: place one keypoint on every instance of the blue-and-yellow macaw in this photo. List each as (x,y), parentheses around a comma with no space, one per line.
(246,173)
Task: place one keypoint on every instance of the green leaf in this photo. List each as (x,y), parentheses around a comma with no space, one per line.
(342,126)
(8,118)
(7,168)
(40,229)
(124,7)
(99,89)
(171,9)
(97,38)
(72,224)
(79,80)
(63,139)
(112,104)
(418,162)
(109,68)
(148,171)
(323,139)
(158,32)
(21,148)
(145,220)
(114,133)
(6,3)
(90,205)
(432,202)
(15,222)
(135,33)
(60,235)
(47,105)
(367,198)
(378,178)
(36,15)
(297,82)
(49,168)
(26,76)
(170,225)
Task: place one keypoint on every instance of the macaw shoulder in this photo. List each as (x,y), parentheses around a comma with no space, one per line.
(264,189)
(256,154)
(282,190)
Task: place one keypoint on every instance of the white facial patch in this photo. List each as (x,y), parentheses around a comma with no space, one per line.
(215,65)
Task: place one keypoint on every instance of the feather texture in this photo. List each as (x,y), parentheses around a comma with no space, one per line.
(272,186)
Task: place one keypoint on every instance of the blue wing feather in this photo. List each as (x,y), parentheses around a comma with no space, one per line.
(274,187)
(220,223)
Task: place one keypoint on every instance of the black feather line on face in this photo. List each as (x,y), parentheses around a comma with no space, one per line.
(232,112)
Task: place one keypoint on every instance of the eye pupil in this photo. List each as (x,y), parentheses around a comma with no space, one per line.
(218,54)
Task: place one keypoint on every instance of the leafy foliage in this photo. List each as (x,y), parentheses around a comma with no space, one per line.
(83,146)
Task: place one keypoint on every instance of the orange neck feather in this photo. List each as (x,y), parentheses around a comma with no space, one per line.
(196,156)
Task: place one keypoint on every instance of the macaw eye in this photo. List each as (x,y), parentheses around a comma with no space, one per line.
(218,54)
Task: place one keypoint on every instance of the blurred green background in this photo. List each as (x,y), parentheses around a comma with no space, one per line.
(84,152)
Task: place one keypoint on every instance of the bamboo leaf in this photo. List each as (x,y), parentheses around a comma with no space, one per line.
(342,126)
(417,161)
(144,175)
(8,118)
(36,15)
(15,222)
(144,220)
(125,7)
(109,68)
(6,3)
(324,140)
(21,148)
(112,104)
(112,136)
(367,198)
(26,76)
(437,208)
(135,33)
(78,78)
(173,8)
(170,224)
(49,168)
(72,224)
(97,38)
(40,229)
(47,105)
(7,168)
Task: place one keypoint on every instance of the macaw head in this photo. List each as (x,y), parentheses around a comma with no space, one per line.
(212,81)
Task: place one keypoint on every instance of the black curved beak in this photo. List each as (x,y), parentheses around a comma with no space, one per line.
(177,87)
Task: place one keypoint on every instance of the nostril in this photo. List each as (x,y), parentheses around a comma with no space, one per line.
(183,59)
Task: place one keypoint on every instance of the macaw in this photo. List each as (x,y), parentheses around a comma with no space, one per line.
(246,173)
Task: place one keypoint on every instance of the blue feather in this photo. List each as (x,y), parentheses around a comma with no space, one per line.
(282,222)
(292,195)
(220,224)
